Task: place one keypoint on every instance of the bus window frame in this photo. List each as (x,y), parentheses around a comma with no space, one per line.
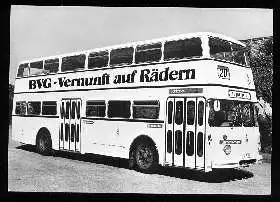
(28,70)
(80,69)
(58,68)
(122,64)
(242,126)
(156,106)
(96,105)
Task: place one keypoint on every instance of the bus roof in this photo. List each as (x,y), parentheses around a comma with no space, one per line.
(131,44)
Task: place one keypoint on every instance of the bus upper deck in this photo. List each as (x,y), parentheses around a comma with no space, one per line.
(218,60)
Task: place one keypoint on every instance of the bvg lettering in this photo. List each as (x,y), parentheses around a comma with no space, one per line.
(40,83)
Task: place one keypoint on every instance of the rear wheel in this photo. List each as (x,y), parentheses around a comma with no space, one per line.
(145,157)
(43,144)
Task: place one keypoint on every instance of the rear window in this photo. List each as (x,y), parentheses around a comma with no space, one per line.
(23,70)
(72,63)
(36,68)
(182,49)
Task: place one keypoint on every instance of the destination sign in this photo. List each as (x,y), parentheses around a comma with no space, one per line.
(185,90)
(239,94)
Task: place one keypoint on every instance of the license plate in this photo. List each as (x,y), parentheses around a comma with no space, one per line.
(248,155)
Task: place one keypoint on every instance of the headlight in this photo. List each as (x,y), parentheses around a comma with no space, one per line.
(227,149)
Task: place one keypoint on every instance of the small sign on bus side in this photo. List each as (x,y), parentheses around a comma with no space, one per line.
(239,94)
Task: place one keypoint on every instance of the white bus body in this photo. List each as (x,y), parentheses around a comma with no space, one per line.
(194,83)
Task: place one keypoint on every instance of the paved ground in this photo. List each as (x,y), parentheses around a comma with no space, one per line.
(29,171)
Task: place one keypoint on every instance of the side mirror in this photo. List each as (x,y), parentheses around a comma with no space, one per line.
(217,105)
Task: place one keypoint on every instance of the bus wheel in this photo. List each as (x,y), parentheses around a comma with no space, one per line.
(145,157)
(43,144)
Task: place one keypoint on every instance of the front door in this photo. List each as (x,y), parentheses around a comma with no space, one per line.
(70,125)
(185,131)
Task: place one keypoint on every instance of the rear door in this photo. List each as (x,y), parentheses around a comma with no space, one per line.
(70,125)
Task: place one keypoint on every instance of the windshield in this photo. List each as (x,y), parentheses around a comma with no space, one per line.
(232,113)
(229,51)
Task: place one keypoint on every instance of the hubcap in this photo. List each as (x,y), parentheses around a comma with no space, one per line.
(144,157)
(42,144)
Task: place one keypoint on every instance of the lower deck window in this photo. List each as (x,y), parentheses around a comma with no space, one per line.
(34,108)
(49,108)
(146,109)
(119,109)
(95,108)
(20,108)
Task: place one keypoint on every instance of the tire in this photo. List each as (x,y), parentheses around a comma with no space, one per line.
(145,157)
(43,145)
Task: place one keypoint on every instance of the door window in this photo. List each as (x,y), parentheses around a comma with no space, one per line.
(190,143)
(190,112)
(200,144)
(170,110)
(179,113)
(178,142)
(200,112)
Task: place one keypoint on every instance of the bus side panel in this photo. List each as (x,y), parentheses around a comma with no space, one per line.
(251,143)
(114,138)
(19,125)
(100,137)
(25,129)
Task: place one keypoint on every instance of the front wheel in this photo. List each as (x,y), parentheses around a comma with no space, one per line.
(146,158)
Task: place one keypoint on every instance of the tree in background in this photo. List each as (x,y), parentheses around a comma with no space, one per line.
(11,96)
(261,62)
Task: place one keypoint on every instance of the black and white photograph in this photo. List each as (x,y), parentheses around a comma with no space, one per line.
(145,100)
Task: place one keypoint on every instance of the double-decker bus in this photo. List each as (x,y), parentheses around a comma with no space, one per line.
(184,101)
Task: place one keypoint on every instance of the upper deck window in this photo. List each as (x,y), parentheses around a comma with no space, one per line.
(98,59)
(72,63)
(148,53)
(121,56)
(182,49)
(225,50)
(51,65)
(36,68)
(23,70)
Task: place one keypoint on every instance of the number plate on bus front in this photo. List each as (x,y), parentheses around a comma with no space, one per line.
(248,155)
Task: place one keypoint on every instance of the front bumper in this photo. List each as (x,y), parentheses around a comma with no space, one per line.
(244,162)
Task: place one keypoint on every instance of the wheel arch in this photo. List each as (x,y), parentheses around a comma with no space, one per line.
(46,132)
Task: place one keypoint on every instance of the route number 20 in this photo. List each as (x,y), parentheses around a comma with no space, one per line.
(223,72)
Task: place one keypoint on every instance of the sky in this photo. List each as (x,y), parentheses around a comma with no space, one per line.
(39,31)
